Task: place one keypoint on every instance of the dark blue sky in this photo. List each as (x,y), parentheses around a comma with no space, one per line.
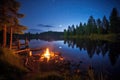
(56,15)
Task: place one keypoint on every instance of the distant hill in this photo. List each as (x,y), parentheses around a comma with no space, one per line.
(50,35)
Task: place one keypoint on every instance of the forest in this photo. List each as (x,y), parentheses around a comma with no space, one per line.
(95,26)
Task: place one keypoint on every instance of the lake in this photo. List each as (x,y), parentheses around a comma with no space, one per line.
(103,56)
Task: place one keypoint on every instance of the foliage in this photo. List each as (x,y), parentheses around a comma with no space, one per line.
(99,26)
(9,15)
(18,29)
(105,25)
(65,33)
(114,21)
(9,19)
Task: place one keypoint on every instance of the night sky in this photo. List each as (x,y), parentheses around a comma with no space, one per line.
(56,15)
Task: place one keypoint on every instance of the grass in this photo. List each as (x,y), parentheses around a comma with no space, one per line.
(10,58)
(63,76)
(50,76)
(45,76)
(11,64)
(106,37)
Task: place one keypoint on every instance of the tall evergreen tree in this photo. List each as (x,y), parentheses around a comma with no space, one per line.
(69,31)
(114,21)
(91,25)
(9,18)
(73,30)
(84,27)
(99,26)
(77,30)
(81,28)
(65,33)
(105,24)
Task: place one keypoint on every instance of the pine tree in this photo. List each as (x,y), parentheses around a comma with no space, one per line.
(65,33)
(81,28)
(91,25)
(73,30)
(105,24)
(9,19)
(99,26)
(114,21)
(77,30)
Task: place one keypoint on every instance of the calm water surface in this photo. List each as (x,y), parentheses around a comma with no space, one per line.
(103,56)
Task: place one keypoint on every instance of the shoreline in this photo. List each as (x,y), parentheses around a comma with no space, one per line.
(106,37)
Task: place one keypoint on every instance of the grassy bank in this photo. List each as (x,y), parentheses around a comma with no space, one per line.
(11,65)
(106,37)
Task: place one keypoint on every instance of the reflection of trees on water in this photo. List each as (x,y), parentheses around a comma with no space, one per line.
(96,47)
(114,52)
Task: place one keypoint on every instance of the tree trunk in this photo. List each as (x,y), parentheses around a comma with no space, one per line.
(11,33)
(4,35)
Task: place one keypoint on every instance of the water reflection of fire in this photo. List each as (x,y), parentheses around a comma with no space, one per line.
(48,55)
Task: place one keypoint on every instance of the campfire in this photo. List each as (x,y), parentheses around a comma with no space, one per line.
(49,55)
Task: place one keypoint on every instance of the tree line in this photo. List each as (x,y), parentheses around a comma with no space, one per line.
(49,35)
(96,26)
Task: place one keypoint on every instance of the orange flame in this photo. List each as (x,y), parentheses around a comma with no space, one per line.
(47,54)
